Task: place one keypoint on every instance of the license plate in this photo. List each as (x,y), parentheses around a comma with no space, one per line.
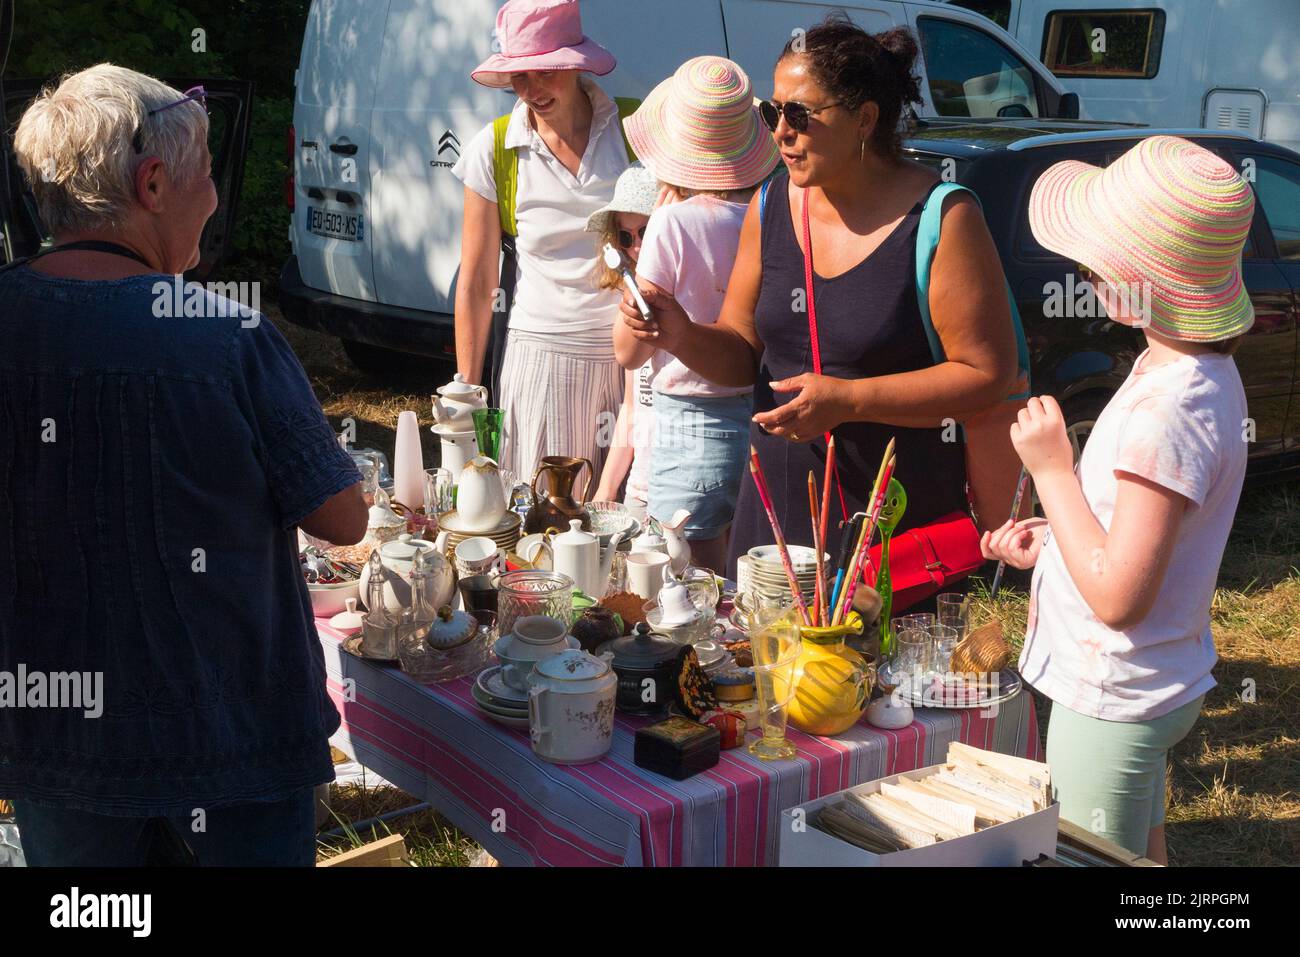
(326,222)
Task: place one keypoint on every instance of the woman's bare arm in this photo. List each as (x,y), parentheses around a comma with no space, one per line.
(476,287)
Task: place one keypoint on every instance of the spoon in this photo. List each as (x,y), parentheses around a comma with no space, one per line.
(891,513)
(614,260)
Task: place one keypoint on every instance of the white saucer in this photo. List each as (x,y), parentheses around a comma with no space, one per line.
(452,523)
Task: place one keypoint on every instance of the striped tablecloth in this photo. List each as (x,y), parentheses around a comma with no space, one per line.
(434,743)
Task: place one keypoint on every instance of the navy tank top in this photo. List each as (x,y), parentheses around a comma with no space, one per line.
(869,325)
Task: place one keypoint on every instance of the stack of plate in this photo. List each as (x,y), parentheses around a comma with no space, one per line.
(506,533)
(764,571)
(498,700)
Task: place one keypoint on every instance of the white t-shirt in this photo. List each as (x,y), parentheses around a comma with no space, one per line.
(688,251)
(1179,425)
(556,255)
(642,436)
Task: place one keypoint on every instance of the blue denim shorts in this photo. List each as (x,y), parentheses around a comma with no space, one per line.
(700,445)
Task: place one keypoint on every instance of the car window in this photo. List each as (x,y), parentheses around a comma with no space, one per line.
(1027,247)
(999,11)
(1277,191)
(971,74)
(1108,44)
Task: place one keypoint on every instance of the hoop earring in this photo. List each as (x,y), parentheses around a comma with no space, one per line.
(862,151)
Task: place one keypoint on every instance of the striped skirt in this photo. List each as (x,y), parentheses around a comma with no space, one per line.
(559,398)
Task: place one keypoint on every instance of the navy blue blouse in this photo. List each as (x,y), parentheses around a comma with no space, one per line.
(152,474)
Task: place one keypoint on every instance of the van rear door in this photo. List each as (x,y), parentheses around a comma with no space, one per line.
(426,110)
(337,74)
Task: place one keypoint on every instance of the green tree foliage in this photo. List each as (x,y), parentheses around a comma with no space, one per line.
(256,40)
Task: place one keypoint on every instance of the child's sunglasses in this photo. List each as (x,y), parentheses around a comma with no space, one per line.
(625,239)
(796,114)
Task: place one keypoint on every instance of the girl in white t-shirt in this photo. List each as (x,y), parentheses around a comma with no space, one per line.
(1125,561)
(622,224)
(700,134)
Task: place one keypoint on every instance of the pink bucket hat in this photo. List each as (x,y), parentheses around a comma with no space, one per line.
(700,129)
(541,35)
(1165,222)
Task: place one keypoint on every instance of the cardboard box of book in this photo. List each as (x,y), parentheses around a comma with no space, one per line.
(978,809)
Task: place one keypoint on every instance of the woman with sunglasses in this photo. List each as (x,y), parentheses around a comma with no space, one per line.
(148,540)
(559,379)
(839,93)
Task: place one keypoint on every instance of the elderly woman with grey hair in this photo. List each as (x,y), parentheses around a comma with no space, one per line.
(154,470)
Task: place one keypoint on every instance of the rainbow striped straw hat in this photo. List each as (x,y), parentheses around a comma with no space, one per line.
(699,128)
(1163,226)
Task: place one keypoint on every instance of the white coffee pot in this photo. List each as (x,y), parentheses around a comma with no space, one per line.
(480,498)
(577,554)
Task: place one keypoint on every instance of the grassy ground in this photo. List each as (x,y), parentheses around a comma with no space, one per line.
(1232,793)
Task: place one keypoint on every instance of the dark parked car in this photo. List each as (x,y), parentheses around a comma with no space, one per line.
(1082,359)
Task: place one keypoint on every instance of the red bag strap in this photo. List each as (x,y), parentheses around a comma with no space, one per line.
(812,328)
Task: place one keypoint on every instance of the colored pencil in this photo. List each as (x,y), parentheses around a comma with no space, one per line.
(868,532)
(826,489)
(819,607)
(838,610)
(848,538)
(760,483)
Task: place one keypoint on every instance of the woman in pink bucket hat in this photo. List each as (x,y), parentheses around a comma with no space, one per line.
(700,134)
(1125,561)
(537,174)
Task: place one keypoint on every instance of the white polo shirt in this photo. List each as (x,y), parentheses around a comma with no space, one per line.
(556,255)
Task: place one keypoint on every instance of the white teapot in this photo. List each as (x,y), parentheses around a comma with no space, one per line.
(571,707)
(454,407)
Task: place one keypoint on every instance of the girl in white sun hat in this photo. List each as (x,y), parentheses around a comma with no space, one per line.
(622,224)
(1125,561)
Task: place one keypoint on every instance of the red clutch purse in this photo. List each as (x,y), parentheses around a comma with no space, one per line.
(925,560)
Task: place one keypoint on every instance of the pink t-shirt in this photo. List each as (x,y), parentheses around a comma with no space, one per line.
(688,251)
(1181,425)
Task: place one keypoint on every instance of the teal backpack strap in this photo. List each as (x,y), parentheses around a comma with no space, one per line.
(762,200)
(927,241)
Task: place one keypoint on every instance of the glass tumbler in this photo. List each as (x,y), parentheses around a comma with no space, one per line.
(953,611)
(775,645)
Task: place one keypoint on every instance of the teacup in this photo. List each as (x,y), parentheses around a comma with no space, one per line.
(479,556)
(533,638)
(645,573)
(536,550)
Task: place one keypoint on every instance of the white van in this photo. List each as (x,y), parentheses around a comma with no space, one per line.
(384,102)
(1212,64)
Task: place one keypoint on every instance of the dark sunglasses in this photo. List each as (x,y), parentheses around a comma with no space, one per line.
(796,114)
(195,93)
(625,238)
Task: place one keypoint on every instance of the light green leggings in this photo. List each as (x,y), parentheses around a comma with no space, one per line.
(1109,776)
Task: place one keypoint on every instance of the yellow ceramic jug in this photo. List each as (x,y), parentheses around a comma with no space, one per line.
(832,682)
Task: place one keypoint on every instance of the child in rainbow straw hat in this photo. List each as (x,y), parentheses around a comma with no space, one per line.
(1126,560)
(699,132)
